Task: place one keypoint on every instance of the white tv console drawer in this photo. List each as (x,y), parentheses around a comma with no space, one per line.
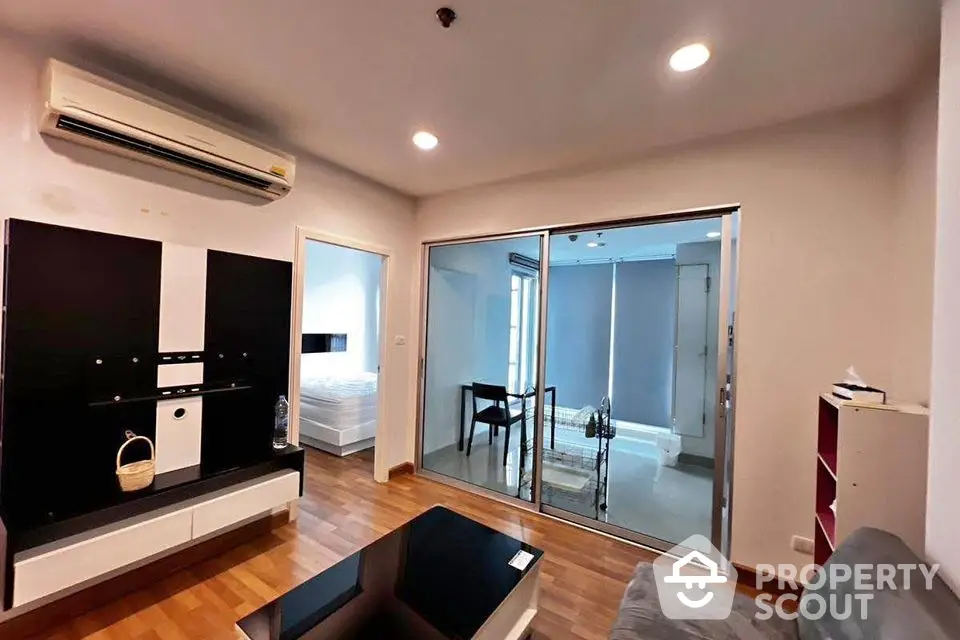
(236,506)
(62,568)
(65,564)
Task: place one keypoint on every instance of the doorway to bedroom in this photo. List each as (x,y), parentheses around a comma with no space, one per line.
(340,348)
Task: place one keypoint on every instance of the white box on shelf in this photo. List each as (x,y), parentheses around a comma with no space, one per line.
(179,424)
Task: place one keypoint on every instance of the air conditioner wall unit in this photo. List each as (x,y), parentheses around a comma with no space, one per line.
(83,108)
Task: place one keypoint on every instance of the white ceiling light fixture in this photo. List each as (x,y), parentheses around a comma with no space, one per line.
(593,244)
(714,234)
(690,57)
(425,140)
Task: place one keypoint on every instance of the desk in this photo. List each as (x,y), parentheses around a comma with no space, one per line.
(552,390)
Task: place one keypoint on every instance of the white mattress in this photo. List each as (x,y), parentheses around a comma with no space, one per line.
(338,409)
(354,388)
(337,415)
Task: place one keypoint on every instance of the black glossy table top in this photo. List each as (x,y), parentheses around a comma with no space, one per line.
(441,575)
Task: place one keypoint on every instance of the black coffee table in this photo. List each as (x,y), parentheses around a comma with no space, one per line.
(441,575)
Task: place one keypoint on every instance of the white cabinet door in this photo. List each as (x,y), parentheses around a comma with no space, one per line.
(178,433)
(250,501)
(693,356)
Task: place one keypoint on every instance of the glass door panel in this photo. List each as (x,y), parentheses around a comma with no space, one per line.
(632,347)
(479,372)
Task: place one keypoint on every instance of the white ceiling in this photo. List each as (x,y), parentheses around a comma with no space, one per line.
(515,87)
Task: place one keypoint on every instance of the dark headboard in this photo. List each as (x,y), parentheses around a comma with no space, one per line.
(324,342)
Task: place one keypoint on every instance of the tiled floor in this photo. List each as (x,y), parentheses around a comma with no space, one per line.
(669,503)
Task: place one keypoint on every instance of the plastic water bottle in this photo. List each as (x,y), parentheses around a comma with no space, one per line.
(281,411)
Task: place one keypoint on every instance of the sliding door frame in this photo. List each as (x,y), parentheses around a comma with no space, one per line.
(725,213)
(532,504)
(720,417)
(724,530)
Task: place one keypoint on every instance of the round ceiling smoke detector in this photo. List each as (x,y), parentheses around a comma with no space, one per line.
(446,16)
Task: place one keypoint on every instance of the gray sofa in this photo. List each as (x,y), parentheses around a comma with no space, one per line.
(892,614)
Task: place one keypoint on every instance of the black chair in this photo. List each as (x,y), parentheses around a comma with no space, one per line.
(496,415)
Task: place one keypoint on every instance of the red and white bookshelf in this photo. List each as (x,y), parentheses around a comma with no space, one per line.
(873,461)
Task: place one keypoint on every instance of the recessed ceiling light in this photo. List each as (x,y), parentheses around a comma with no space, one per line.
(690,57)
(593,244)
(425,140)
(714,234)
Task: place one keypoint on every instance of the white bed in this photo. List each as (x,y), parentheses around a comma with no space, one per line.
(338,413)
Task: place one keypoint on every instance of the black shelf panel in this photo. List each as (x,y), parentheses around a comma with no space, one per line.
(173,393)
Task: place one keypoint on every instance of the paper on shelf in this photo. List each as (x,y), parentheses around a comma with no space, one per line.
(853,378)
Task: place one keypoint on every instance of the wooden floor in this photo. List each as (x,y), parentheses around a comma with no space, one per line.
(343,509)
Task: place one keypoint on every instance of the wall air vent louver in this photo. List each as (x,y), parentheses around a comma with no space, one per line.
(109,137)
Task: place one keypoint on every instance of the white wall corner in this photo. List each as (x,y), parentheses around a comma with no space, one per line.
(943,518)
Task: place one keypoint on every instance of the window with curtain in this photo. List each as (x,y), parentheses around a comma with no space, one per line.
(579,305)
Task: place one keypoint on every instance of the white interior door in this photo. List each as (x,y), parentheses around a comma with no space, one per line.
(692,351)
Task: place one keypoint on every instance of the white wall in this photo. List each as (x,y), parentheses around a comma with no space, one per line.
(340,291)
(943,516)
(449,355)
(487,348)
(62,183)
(819,199)
(468,336)
(915,228)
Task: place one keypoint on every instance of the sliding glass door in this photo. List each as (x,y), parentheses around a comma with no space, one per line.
(636,355)
(479,368)
(586,371)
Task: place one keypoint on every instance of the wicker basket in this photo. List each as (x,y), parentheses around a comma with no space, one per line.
(136,475)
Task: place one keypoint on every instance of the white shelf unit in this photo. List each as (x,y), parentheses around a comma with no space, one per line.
(873,461)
